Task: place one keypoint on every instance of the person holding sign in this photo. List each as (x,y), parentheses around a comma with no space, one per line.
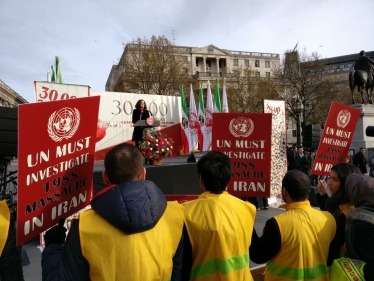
(219,226)
(295,244)
(131,232)
(338,204)
(10,255)
(140,113)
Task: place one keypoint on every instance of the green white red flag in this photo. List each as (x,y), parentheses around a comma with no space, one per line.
(201,116)
(193,122)
(208,120)
(225,105)
(184,127)
(217,99)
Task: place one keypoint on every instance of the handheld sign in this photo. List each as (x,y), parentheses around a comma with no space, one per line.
(278,143)
(56,146)
(336,138)
(246,139)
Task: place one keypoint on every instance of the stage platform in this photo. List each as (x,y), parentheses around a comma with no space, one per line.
(173,176)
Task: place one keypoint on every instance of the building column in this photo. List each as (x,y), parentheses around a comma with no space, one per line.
(204,59)
(217,59)
(193,62)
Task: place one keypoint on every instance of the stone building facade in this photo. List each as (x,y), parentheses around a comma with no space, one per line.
(8,97)
(211,62)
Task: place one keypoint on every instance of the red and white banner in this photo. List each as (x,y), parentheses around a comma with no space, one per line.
(56,146)
(115,118)
(336,138)
(246,139)
(278,143)
(47,91)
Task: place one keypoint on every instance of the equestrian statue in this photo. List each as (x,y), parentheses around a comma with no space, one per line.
(362,77)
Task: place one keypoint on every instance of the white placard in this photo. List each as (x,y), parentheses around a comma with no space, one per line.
(47,91)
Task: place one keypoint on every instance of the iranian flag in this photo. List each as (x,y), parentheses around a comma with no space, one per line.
(217,99)
(184,128)
(193,122)
(225,105)
(208,120)
(201,116)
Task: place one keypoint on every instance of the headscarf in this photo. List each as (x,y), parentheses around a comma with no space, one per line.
(360,190)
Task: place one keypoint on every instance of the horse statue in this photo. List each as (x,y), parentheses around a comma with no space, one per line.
(359,78)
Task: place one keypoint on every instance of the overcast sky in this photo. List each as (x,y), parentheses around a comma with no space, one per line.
(88,35)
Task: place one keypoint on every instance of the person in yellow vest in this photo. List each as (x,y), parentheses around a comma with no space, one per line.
(219,226)
(131,232)
(337,204)
(10,255)
(295,244)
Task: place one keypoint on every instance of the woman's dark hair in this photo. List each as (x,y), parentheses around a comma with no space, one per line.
(340,197)
(137,105)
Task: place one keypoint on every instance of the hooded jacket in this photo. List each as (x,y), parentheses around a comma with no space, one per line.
(132,207)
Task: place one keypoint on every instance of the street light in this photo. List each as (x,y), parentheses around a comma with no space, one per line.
(297,107)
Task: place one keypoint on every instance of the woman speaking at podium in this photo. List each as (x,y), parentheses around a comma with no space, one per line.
(140,113)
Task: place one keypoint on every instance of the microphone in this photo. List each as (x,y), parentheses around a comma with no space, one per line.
(140,115)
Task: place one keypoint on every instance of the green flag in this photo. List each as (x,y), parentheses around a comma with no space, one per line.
(217,99)
(58,71)
(53,77)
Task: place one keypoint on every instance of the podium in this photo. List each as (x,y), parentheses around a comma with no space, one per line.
(147,127)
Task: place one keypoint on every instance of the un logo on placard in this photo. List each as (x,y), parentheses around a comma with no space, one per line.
(63,124)
(343,118)
(241,127)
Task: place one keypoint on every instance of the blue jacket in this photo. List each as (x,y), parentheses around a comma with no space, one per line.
(132,207)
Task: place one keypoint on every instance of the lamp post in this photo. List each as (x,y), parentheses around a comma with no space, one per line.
(297,108)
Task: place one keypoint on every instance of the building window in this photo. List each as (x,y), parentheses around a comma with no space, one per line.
(257,74)
(208,64)
(267,74)
(236,62)
(246,63)
(197,62)
(267,64)
(257,63)
(185,58)
(222,63)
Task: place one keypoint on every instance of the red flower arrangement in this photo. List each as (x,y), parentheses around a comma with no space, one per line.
(156,146)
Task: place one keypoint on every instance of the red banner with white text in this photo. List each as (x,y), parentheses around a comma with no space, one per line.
(336,138)
(56,147)
(246,139)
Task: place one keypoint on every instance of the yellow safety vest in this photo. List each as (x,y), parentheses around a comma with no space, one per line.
(345,209)
(114,255)
(220,230)
(306,235)
(4,224)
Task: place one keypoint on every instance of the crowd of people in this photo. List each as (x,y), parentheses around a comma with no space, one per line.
(133,231)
